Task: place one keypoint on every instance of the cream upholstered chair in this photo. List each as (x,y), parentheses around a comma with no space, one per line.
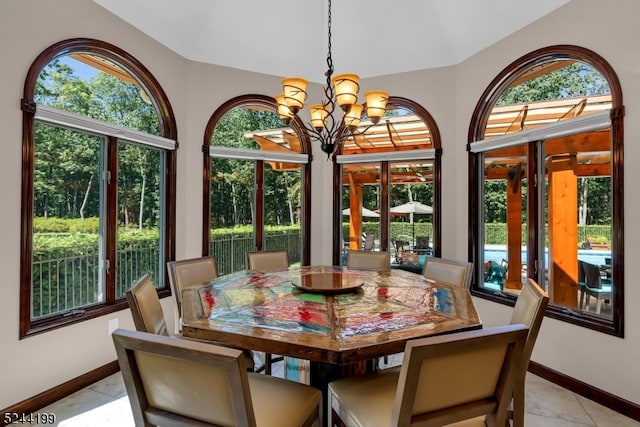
(146,309)
(448,270)
(368,260)
(189,273)
(181,382)
(148,315)
(271,260)
(529,310)
(265,261)
(454,379)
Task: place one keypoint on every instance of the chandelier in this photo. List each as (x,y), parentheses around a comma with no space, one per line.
(341,89)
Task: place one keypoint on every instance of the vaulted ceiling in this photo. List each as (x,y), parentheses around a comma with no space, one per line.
(289,37)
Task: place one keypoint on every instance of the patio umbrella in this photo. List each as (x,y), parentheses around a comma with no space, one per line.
(365,212)
(411,208)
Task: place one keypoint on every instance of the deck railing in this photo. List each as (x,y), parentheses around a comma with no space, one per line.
(68,278)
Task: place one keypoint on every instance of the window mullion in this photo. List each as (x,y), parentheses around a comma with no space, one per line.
(110,209)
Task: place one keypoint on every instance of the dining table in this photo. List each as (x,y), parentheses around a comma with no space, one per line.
(341,320)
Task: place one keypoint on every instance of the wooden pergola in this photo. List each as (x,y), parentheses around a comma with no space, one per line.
(586,154)
(569,158)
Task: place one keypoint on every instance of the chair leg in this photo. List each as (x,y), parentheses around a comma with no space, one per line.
(267,363)
(336,421)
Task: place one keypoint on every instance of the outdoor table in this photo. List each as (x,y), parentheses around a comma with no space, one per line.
(354,317)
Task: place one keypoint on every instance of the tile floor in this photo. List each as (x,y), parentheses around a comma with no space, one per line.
(105,403)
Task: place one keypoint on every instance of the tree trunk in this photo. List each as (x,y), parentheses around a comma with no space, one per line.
(86,197)
(234,204)
(289,200)
(582,209)
(142,191)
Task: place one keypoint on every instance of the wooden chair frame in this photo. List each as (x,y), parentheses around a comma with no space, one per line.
(446,379)
(184,355)
(529,310)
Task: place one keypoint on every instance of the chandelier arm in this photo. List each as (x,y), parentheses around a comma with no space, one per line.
(333,132)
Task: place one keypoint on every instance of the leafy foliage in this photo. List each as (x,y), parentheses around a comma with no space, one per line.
(232,181)
(576,79)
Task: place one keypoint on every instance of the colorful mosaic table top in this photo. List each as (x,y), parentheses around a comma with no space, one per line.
(379,312)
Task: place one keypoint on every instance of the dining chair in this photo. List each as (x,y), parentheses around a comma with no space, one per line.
(448,270)
(265,261)
(368,260)
(182,382)
(148,315)
(190,273)
(270,260)
(145,306)
(529,310)
(465,377)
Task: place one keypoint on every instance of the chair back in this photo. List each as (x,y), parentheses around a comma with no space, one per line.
(368,260)
(369,242)
(146,309)
(447,270)
(402,245)
(189,273)
(271,260)
(529,310)
(455,377)
(592,275)
(422,242)
(173,381)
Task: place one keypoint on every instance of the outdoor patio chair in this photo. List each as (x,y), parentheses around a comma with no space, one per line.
(465,376)
(369,242)
(401,247)
(181,382)
(592,286)
(422,245)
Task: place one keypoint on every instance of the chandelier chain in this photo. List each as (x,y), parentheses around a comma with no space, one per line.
(329,59)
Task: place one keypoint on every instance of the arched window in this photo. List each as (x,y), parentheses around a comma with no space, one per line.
(546,199)
(257,183)
(387,193)
(98,177)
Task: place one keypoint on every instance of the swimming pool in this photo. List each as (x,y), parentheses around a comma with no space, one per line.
(499,252)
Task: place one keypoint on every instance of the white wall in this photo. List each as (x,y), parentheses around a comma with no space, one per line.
(610,29)
(195,90)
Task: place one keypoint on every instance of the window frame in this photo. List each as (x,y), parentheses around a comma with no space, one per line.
(476,132)
(168,130)
(259,157)
(394,102)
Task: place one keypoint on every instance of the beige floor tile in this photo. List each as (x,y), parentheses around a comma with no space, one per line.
(104,404)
